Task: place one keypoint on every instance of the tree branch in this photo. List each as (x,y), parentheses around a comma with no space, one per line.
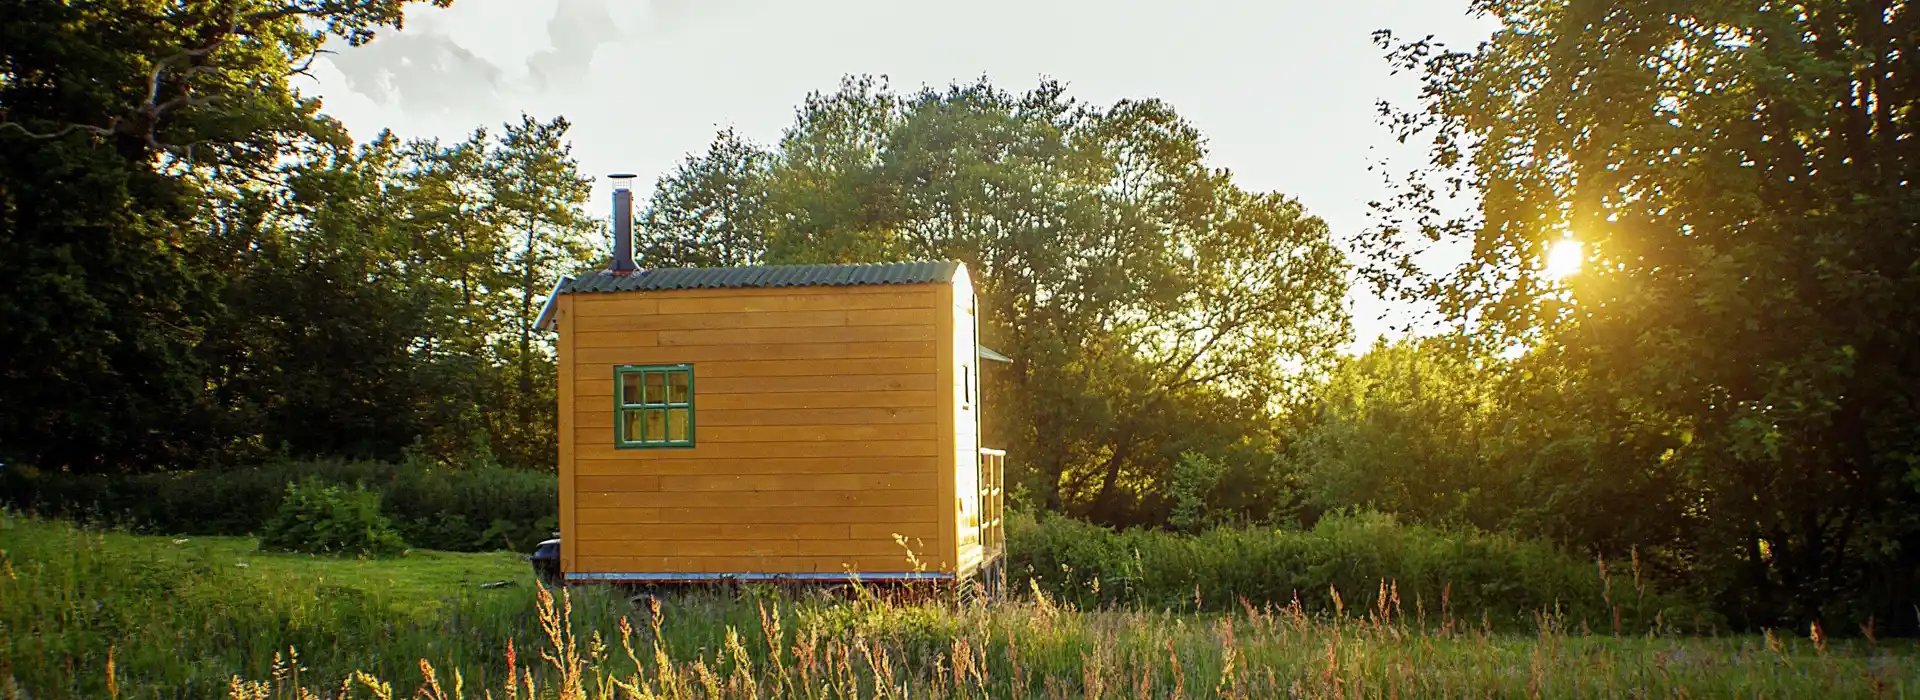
(307,64)
(63,131)
(160,67)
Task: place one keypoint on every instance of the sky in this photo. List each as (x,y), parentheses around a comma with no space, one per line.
(1284,90)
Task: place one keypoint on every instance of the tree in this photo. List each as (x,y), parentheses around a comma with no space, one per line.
(1740,174)
(388,296)
(312,353)
(1409,428)
(711,211)
(1150,305)
(537,189)
(114,117)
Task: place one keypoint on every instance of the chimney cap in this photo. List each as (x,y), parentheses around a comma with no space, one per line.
(622,181)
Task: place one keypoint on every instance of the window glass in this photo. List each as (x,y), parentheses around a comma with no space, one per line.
(677,386)
(678,419)
(656,388)
(630,388)
(654,406)
(631,424)
(654,426)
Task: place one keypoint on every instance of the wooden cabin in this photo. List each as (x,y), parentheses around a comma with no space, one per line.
(811,423)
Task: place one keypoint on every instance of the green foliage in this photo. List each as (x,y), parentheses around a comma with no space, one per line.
(122,124)
(1195,477)
(321,518)
(198,271)
(1406,428)
(1437,432)
(1152,307)
(711,211)
(431,506)
(1741,179)
(181,616)
(198,268)
(1370,560)
(184,618)
(389,302)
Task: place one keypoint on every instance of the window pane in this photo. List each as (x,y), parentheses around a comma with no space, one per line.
(677,421)
(630,388)
(630,424)
(656,388)
(656,424)
(677,387)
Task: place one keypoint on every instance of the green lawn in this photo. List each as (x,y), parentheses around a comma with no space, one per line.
(181,617)
(420,584)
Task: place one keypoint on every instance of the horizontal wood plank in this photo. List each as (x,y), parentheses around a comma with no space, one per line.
(819,416)
(889,515)
(785,368)
(783,336)
(588,387)
(708,435)
(864,549)
(813,368)
(749,467)
(890,317)
(624,516)
(588,305)
(622,483)
(594,498)
(616,339)
(700,565)
(742,565)
(926,531)
(710,417)
(847,382)
(733,531)
(658,322)
(811,433)
(758,450)
(791,482)
(588,407)
(811,531)
(592,360)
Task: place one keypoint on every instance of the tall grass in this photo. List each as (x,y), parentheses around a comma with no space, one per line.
(91,614)
(1503,580)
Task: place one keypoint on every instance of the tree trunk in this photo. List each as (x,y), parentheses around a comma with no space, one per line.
(1103,506)
(526,325)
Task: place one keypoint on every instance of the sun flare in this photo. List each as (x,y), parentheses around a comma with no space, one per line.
(1563,259)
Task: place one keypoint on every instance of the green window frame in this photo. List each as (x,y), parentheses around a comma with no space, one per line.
(653,406)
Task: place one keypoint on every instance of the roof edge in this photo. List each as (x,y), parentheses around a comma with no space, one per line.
(546,321)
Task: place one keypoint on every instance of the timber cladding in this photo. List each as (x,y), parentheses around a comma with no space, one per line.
(822,427)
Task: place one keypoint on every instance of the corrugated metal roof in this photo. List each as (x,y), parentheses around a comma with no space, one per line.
(765,276)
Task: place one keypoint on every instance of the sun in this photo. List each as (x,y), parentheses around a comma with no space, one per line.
(1563,259)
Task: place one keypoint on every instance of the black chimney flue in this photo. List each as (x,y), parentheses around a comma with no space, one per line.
(622,263)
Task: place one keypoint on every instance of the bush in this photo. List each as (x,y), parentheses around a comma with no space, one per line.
(1458,574)
(432,506)
(322,518)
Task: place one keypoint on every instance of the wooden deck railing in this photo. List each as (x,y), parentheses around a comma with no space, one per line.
(993,516)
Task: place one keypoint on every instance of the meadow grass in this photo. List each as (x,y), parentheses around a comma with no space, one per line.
(93,614)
